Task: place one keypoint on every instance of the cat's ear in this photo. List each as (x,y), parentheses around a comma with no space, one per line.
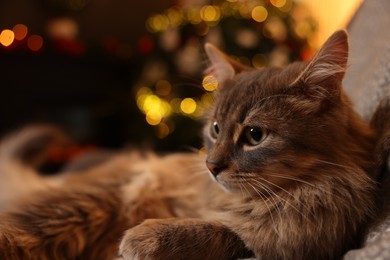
(324,73)
(222,67)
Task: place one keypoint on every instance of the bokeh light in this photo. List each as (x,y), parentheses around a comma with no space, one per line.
(188,105)
(278,3)
(210,83)
(175,16)
(7,37)
(157,23)
(259,14)
(35,42)
(154,107)
(210,13)
(193,15)
(20,31)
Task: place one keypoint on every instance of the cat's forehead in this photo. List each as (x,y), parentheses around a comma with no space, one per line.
(250,88)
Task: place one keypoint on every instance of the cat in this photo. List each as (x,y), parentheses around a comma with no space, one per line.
(288,174)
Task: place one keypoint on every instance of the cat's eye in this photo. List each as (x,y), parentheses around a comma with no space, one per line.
(214,129)
(254,136)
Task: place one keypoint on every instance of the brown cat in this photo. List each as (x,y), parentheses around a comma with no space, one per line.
(291,163)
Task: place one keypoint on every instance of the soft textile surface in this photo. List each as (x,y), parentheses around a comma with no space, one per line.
(367,82)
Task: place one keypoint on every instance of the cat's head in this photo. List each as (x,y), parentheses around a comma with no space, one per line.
(272,125)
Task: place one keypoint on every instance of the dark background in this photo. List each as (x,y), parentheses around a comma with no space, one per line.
(89,95)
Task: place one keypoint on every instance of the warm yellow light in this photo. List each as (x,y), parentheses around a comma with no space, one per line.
(287,6)
(144,91)
(63,28)
(175,16)
(158,23)
(163,88)
(259,14)
(151,102)
(193,15)
(210,83)
(35,42)
(20,31)
(188,105)
(153,118)
(7,37)
(210,13)
(278,3)
(303,29)
(245,11)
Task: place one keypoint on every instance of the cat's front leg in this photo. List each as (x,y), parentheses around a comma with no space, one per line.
(176,238)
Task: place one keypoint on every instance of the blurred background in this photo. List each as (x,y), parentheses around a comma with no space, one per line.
(114,73)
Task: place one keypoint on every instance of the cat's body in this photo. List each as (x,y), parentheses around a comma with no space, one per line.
(293,166)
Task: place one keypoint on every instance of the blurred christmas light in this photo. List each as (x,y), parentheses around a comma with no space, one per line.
(245,10)
(193,15)
(7,37)
(153,117)
(278,3)
(158,23)
(63,28)
(259,14)
(152,106)
(175,16)
(210,83)
(263,31)
(20,31)
(210,13)
(247,38)
(287,6)
(35,42)
(188,105)
(275,29)
(303,29)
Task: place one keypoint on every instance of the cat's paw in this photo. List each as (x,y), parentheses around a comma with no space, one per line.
(142,242)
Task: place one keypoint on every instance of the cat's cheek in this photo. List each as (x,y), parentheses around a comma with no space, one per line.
(224,181)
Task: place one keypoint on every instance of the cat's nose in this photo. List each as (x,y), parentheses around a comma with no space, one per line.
(215,168)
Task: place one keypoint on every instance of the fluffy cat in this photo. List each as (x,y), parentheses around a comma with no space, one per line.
(291,168)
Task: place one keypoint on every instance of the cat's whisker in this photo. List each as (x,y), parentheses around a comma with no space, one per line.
(336,164)
(240,185)
(264,199)
(317,187)
(271,194)
(286,201)
(291,178)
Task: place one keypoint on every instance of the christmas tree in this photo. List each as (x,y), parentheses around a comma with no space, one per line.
(173,91)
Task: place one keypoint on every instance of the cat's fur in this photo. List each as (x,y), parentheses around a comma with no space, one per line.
(303,190)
